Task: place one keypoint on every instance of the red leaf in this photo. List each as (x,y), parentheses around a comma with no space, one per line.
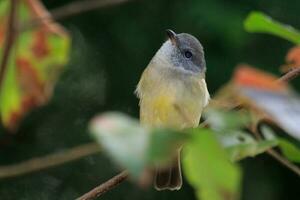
(246,75)
(40,47)
(30,84)
(35,62)
(293,57)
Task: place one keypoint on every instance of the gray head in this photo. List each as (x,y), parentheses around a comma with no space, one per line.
(182,52)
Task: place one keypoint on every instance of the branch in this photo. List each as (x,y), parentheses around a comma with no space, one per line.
(284,161)
(294,168)
(9,40)
(72,9)
(105,187)
(290,75)
(37,164)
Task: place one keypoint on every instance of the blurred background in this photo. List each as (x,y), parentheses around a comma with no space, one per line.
(111,48)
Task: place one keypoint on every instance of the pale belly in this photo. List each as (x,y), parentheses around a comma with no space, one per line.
(172,107)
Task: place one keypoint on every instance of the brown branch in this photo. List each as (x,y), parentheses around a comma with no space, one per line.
(284,161)
(286,78)
(290,75)
(105,187)
(277,156)
(72,9)
(9,39)
(52,160)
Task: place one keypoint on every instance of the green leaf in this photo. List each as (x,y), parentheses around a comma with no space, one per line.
(224,120)
(289,150)
(240,145)
(124,140)
(133,146)
(258,22)
(228,125)
(164,142)
(36,60)
(208,169)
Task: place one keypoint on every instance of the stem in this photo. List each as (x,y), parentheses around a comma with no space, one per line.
(276,155)
(52,160)
(72,9)
(284,161)
(9,40)
(105,187)
(290,75)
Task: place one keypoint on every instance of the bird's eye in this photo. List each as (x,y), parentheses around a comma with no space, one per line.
(188,54)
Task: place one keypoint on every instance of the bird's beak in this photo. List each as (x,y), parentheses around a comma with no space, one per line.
(172,36)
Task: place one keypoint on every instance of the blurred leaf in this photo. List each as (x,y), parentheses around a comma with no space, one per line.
(123,139)
(34,64)
(241,145)
(260,23)
(164,142)
(228,125)
(269,98)
(265,98)
(132,146)
(292,59)
(289,150)
(223,120)
(208,168)
(251,77)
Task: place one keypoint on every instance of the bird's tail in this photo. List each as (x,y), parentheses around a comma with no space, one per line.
(169,178)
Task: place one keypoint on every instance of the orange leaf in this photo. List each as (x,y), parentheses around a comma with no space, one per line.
(35,62)
(293,56)
(248,76)
(40,48)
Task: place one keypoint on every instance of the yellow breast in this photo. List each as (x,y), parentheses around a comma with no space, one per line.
(171,102)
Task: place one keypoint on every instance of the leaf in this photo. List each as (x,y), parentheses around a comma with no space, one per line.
(266,98)
(228,125)
(132,146)
(240,145)
(258,22)
(289,150)
(281,107)
(35,63)
(164,143)
(224,120)
(292,59)
(123,139)
(208,169)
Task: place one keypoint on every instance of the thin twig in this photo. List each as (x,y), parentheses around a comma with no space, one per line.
(286,78)
(290,75)
(52,160)
(72,9)
(104,187)
(9,39)
(294,168)
(284,161)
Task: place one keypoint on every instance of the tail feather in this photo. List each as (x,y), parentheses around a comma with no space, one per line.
(169,178)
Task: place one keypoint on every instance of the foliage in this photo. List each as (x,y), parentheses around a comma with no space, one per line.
(261,23)
(210,154)
(137,148)
(34,64)
(206,164)
(238,143)
(290,150)
(132,146)
(208,168)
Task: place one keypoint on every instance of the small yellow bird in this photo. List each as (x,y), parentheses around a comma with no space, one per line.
(173,93)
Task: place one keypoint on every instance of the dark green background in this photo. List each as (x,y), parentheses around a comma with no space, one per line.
(111,47)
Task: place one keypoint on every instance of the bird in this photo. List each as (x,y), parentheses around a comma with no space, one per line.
(172,93)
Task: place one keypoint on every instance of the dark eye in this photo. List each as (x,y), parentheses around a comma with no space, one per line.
(188,54)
